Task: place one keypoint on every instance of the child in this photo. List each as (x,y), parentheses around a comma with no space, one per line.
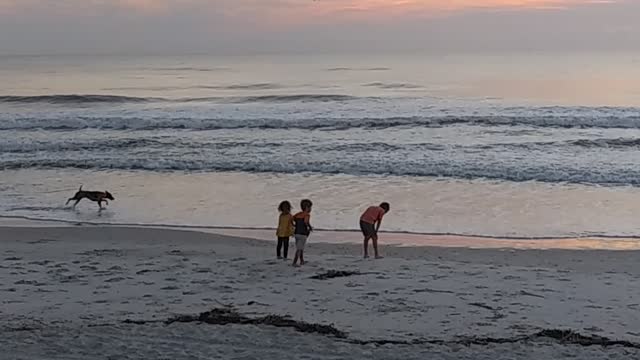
(285,229)
(303,228)
(370,223)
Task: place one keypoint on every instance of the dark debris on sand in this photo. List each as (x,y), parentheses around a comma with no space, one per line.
(571,337)
(228,315)
(224,316)
(331,274)
(565,337)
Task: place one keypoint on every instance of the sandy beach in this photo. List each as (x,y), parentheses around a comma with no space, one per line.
(111,292)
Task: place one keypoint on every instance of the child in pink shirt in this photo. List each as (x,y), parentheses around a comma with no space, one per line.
(370,222)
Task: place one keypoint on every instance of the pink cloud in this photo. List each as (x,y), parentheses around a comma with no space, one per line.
(283,13)
(286,13)
(77,7)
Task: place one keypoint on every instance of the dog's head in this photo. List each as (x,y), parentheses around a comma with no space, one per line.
(108,195)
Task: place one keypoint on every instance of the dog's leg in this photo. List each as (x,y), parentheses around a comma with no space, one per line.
(100,204)
(76,203)
(68,201)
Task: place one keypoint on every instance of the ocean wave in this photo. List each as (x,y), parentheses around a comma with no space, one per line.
(74,99)
(392,86)
(258,86)
(108,144)
(438,168)
(21,147)
(114,99)
(190,68)
(379,68)
(585,143)
(606,143)
(184,144)
(623,121)
(278,98)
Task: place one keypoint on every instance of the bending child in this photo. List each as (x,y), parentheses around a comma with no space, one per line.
(370,222)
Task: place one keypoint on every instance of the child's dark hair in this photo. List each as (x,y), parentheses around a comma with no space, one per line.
(385,206)
(285,207)
(305,204)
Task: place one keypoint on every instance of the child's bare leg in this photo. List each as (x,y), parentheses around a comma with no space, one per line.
(301,257)
(296,257)
(286,249)
(374,239)
(366,246)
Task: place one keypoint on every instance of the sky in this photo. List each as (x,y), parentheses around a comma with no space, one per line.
(315,26)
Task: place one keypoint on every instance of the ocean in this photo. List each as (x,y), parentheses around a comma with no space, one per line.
(505,145)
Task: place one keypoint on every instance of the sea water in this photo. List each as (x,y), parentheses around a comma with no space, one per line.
(522,145)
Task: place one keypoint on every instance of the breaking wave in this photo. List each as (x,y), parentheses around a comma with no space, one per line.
(62,145)
(73,99)
(392,86)
(468,171)
(623,121)
(114,99)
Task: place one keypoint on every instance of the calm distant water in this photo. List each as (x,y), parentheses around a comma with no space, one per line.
(515,144)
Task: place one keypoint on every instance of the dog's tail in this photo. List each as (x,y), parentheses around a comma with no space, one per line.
(80,188)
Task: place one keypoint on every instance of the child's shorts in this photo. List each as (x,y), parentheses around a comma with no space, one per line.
(301,241)
(368,230)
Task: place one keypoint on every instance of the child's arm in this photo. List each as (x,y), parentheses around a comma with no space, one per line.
(378,225)
(307,220)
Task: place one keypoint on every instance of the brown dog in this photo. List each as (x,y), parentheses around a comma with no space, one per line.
(97,196)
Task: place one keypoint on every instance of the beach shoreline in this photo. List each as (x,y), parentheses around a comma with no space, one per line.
(72,280)
(411,239)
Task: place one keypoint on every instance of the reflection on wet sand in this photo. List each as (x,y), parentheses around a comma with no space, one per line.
(595,243)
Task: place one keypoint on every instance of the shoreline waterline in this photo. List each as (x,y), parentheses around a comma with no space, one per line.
(351,237)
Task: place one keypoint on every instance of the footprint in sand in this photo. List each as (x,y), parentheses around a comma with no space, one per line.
(40,263)
(41,241)
(144,271)
(171,287)
(26,282)
(512,277)
(202,282)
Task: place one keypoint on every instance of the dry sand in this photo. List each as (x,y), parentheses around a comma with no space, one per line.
(65,293)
